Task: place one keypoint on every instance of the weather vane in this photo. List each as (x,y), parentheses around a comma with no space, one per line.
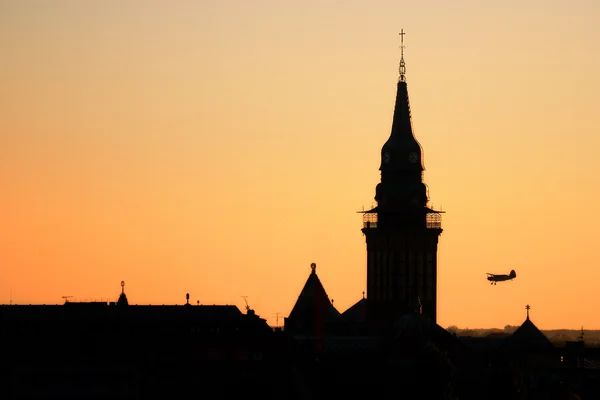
(402,65)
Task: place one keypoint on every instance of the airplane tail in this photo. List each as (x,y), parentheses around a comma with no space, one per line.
(512,274)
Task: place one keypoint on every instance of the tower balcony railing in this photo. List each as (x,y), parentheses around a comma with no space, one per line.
(432,221)
(369,220)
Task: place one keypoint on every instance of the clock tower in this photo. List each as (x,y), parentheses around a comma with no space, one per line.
(402,231)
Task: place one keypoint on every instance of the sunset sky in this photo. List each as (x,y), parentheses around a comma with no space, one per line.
(218,147)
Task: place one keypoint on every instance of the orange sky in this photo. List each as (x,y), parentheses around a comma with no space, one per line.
(220,147)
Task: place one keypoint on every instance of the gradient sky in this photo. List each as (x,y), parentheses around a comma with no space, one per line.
(219,147)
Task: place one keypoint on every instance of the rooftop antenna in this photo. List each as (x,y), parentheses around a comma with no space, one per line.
(246,300)
(527,307)
(402,68)
(277,319)
(66,298)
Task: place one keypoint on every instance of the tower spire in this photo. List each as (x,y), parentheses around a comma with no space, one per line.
(402,68)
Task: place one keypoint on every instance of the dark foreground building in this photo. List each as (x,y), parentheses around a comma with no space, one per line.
(341,355)
(386,346)
(115,350)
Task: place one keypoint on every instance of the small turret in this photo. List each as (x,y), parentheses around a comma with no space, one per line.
(122,298)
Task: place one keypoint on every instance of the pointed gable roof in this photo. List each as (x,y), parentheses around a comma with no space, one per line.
(357,313)
(313,299)
(528,334)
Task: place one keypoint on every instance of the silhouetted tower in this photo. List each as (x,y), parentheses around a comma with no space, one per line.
(401,231)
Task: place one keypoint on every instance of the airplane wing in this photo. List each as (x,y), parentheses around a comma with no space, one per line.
(488,274)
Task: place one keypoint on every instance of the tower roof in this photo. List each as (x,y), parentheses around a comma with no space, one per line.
(313,300)
(402,151)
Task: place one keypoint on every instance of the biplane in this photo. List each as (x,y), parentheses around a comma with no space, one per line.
(495,278)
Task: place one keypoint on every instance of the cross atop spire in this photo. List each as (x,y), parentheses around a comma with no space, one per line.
(527,307)
(402,65)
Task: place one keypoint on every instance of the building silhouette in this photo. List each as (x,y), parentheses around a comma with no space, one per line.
(119,350)
(387,345)
(391,331)
(402,231)
(401,235)
(389,339)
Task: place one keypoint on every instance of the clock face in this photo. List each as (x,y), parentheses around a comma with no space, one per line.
(413,157)
(386,157)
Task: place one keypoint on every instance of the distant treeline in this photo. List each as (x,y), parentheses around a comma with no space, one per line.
(557,336)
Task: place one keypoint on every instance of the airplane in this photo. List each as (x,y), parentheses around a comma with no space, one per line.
(493,278)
